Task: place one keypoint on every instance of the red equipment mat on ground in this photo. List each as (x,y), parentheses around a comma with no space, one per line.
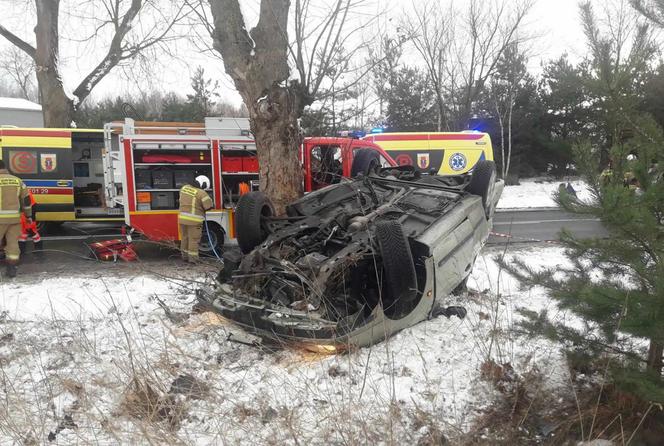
(112,250)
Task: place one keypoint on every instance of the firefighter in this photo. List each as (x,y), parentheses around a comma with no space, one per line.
(14,200)
(194,202)
(27,227)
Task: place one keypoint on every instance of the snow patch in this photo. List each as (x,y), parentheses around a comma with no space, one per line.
(539,194)
(98,333)
(18,104)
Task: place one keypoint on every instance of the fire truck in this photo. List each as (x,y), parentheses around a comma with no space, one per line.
(145,164)
(132,171)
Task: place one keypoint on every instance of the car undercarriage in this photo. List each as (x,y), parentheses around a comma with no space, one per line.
(353,263)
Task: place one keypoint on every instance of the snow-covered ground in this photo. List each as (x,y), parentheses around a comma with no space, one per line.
(88,360)
(538,194)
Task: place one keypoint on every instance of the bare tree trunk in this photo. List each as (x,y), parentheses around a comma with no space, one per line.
(274,123)
(502,139)
(441,111)
(58,108)
(257,61)
(655,353)
(510,108)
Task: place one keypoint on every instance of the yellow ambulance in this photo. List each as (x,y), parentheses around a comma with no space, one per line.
(447,153)
(63,168)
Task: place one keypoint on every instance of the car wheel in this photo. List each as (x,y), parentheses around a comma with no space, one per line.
(250,214)
(212,240)
(483,183)
(400,280)
(364,161)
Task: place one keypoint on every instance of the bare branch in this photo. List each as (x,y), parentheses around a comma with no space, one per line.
(18,42)
(119,50)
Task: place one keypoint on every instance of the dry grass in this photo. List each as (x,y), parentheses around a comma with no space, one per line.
(143,377)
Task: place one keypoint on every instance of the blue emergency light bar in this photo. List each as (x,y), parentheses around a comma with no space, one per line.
(353,133)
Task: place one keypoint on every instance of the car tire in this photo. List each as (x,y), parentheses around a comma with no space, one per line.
(482,183)
(249,217)
(364,161)
(216,238)
(400,279)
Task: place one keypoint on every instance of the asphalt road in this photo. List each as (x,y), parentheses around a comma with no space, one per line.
(540,225)
(66,247)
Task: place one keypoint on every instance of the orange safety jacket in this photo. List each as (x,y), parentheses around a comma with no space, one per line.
(32,226)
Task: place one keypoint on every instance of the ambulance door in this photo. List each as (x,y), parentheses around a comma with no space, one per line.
(43,160)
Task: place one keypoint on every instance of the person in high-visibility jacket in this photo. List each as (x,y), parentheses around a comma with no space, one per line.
(29,226)
(194,202)
(14,200)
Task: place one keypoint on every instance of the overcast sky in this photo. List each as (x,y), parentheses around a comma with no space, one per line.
(556,22)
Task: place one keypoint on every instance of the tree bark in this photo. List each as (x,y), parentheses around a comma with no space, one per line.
(510,110)
(257,61)
(655,354)
(58,108)
(502,138)
(274,123)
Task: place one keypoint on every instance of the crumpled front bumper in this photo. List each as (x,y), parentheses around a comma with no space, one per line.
(300,328)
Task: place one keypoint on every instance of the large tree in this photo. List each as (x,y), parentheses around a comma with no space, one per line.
(510,78)
(614,284)
(117,20)
(410,103)
(461,50)
(259,61)
(622,53)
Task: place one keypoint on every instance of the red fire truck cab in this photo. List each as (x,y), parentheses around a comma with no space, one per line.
(145,165)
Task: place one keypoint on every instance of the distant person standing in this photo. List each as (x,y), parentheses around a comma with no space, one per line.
(194,202)
(14,201)
(570,190)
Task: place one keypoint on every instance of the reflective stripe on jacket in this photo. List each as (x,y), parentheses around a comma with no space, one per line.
(14,199)
(193,204)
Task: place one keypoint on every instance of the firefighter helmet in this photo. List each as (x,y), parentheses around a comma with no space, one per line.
(203,181)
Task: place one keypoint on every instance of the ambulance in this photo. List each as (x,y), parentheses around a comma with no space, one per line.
(63,169)
(132,171)
(446,153)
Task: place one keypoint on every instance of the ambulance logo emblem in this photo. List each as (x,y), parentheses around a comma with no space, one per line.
(22,162)
(422,160)
(48,162)
(404,160)
(458,161)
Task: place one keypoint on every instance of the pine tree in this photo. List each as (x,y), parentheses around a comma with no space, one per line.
(615,284)
(202,101)
(410,102)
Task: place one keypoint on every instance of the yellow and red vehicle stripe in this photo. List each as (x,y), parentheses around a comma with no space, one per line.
(425,137)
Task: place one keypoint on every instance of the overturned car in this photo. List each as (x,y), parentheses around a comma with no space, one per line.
(357,261)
